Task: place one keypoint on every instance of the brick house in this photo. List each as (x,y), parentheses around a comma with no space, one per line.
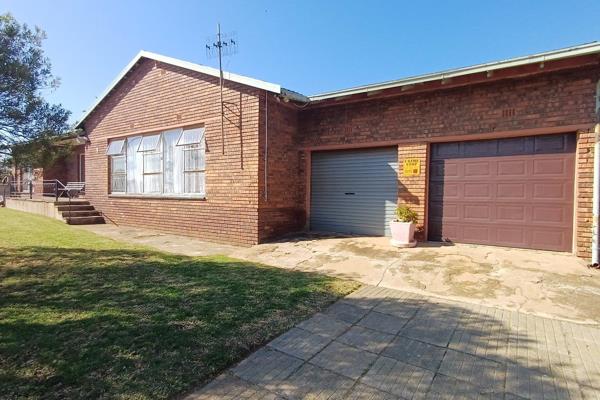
(500,153)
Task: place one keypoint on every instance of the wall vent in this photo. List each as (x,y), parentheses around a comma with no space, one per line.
(508,112)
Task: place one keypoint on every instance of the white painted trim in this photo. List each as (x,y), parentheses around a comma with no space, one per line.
(244,80)
(584,49)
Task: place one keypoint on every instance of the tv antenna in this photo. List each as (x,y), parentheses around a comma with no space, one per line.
(220,46)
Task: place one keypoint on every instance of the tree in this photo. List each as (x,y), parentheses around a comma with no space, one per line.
(26,118)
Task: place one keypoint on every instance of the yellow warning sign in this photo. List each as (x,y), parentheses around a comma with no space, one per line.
(411,167)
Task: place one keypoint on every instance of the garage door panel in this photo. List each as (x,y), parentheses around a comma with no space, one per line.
(478,169)
(477,233)
(510,213)
(354,191)
(480,148)
(551,166)
(524,200)
(515,146)
(512,168)
(551,215)
(477,190)
(558,191)
(548,239)
(473,212)
(511,191)
(550,144)
(509,236)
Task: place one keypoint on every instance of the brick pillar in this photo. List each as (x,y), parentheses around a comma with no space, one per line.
(583,186)
(412,190)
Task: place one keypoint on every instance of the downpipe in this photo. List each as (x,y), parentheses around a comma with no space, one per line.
(596,197)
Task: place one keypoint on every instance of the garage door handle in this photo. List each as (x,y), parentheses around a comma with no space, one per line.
(349,193)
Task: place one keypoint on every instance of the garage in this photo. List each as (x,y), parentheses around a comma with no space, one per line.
(354,191)
(515,192)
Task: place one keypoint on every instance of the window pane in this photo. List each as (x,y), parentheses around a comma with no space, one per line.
(191,136)
(118,182)
(118,164)
(153,183)
(115,147)
(152,163)
(150,143)
(135,161)
(193,160)
(172,163)
(194,182)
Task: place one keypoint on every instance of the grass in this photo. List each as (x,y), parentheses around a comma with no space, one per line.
(82,316)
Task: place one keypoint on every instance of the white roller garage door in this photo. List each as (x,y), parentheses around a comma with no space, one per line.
(354,191)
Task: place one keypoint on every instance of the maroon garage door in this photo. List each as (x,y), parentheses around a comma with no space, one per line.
(515,192)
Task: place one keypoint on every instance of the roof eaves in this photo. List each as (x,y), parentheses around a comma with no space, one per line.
(580,50)
(244,80)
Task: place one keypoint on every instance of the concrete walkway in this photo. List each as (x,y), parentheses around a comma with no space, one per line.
(543,283)
(385,344)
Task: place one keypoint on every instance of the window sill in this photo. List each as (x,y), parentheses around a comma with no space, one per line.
(156,196)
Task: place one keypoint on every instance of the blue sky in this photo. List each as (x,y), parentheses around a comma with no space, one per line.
(307,46)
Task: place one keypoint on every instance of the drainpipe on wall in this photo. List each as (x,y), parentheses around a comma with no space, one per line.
(596,184)
(596,197)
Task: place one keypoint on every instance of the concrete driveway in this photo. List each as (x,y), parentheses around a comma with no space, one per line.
(543,283)
(385,344)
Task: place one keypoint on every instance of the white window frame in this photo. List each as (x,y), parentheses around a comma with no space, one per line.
(112,151)
(117,174)
(188,140)
(186,171)
(146,139)
(156,152)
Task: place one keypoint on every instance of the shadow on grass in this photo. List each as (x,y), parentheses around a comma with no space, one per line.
(134,323)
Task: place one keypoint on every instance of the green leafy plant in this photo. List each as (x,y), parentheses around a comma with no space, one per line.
(406,214)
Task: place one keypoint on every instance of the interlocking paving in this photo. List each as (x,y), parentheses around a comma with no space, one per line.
(385,344)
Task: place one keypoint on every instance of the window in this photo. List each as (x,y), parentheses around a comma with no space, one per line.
(119,174)
(171,163)
(118,165)
(193,169)
(115,147)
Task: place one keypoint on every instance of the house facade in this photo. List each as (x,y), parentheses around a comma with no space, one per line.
(497,154)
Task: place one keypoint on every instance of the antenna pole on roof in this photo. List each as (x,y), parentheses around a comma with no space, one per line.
(220,46)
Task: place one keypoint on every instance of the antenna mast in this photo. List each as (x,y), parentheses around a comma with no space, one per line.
(224,45)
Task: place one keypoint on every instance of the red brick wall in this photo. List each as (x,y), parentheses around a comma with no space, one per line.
(412,190)
(282,209)
(583,189)
(67,169)
(155,96)
(555,99)
(545,100)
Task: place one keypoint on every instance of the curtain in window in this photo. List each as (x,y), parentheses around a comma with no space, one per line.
(134,165)
(173,162)
(118,174)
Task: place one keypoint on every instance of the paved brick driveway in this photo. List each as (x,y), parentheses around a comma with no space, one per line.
(384,344)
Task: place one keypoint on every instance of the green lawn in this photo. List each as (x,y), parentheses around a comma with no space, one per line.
(82,316)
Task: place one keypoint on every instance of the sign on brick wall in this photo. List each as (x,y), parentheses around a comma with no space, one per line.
(411,167)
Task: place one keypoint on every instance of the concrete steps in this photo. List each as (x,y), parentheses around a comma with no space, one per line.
(79,212)
(85,220)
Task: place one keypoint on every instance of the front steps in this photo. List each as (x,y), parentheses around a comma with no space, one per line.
(79,212)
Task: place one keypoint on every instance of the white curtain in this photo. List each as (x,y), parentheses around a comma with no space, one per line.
(173,162)
(170,169)
(134,165)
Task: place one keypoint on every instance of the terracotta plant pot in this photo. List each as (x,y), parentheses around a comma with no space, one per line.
(403,234)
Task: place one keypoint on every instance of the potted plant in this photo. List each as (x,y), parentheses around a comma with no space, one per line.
(403,227)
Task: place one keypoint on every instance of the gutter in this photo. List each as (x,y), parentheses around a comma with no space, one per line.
(289,95)
(574,51)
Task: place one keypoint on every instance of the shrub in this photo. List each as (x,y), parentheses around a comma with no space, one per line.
(406,214)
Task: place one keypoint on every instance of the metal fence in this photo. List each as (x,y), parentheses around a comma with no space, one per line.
(34,189)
